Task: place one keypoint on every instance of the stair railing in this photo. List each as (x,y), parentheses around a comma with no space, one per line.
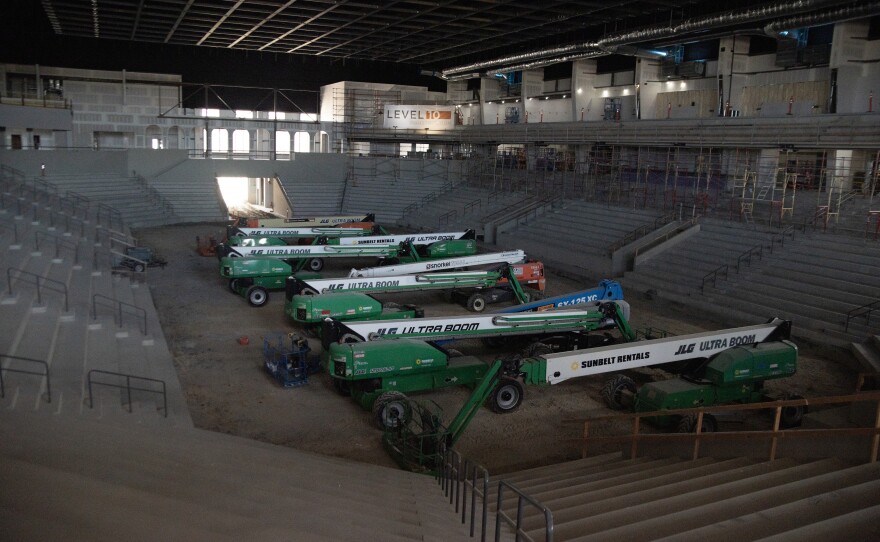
(59,242)
(446,217)
(118,305)
(128,387)
(455,475)
(746,256)
(43,373)
(521,501)
(713,276)
(864,310)
(41,282)
(775,434)
(780,237)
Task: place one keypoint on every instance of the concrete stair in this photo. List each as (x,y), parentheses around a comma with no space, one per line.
(148,483)
(811,279)
(388,186)
(79,332)
(195,198)
(574,237)
(314,197)
(868,353)
(130,196)
(611,498)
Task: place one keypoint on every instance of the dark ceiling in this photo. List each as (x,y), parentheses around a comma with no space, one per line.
(304,44)
(435,35)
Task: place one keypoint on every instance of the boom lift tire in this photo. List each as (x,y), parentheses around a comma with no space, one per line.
(613,389)
(688,424)
(476,303)
(507,397)
(138,267)
(391,410)
(316,264)
(233,285)
(257,296)
(792,416)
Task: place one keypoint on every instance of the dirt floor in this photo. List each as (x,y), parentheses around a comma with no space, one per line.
(228,391)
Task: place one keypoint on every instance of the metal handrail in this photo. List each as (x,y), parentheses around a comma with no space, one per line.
(59,242)
(780,237)
(128,387)
(447,216)
(774,434)
(455,475)
(821,212)
(119,305)
(713,275)
(112,212)
(483,492)
(14,229)
(866,309)
(76,198)
(157,198)
(641,231)
(23,371)
(522,499)
(477,203)
(747,256)
(22,272)
(67,219)
(104,252)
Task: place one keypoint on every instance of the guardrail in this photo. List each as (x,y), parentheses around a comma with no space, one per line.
(102,252)
(665,237)
(112,214)
(53,216)
(475,204)
(447,216)
(522,500)
(127,387)
(59,242)
(713,276)
(62,288)
(44,373)
(821,213)
(865,310)
(640,231)
(14,228)
(746,256)
(118,306)
(79,201)
(158,199)
(774,434)
(455,476)
(780,237)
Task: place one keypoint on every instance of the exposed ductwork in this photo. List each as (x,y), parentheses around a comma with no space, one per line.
(835,15)
(794,14)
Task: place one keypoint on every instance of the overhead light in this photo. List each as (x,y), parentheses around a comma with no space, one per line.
(579,90)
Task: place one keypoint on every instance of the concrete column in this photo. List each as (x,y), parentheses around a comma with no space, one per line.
(583,76)
(858,74)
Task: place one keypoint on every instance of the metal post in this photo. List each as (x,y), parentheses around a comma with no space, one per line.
(128,390)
